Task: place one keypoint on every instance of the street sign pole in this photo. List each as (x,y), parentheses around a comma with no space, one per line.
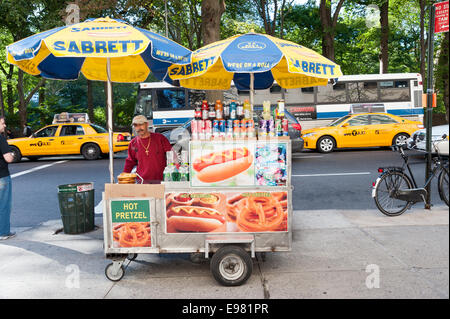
(429,109)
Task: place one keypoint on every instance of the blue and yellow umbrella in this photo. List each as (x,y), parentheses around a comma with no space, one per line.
(102,49)
(254,61)
(62,53)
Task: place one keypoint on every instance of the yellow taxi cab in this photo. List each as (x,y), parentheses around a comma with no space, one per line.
(360,130)
(68,138)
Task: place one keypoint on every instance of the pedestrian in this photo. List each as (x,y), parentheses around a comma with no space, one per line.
(26,130)
(147,151)
(5,185)
(9,134)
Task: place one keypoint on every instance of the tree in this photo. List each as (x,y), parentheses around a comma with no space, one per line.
(329,21)
(212,11)
(384,39)
(272,13)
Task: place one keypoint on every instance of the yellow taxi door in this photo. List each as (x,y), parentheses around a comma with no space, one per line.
(43,141)
(355,132)
(384,128)
(70,139)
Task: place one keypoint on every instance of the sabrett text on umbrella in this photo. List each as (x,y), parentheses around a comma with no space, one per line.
(192,68)
(112,46)
(315,67)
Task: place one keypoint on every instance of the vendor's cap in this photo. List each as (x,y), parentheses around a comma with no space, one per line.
(139,119)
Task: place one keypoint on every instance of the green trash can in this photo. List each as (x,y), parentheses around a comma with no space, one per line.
(76,204)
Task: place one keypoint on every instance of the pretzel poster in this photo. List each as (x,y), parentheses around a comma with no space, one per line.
(130,223)
(226,212)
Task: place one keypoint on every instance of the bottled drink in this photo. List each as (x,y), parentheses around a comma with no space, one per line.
(195,129)
(278,128)
(184,168)
(205,110)
(175,173)
(285,125)
(247,110)
(226,111)
(201,129)
(233,110)
(219,110)
(280,109)
(239,111)
(215,128)
(167,174)
(198,111)
(266,110)
(208,129)
(212,112)
(243,125)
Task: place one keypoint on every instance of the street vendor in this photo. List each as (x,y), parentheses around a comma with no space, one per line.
(147,151)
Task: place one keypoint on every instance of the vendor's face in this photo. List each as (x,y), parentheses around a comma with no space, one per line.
(141,129)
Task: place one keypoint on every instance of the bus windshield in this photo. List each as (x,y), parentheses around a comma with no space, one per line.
(144,103)
(171,98)
(339,121)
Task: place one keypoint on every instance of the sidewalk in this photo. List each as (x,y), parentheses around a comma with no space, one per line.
(335,255)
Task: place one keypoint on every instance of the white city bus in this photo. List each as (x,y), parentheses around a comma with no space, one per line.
(400,94)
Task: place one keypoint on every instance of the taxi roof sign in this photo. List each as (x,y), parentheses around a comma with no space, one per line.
(66,117)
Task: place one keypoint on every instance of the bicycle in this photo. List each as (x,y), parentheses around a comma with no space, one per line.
(396,190)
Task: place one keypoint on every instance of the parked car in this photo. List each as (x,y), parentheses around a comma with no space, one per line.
(87,139)
(438,143)
(360,130)
(181,134)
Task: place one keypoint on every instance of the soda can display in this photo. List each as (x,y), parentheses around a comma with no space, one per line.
(195,129)
(278,128)
(215,128)
(201,129)
(236,128)
(250,125)
(243,128)
(229,129)
(285,125)
(208,129)
(222,128)
(262,127)
(271,127)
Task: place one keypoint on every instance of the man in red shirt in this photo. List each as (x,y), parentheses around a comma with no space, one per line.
(148,151)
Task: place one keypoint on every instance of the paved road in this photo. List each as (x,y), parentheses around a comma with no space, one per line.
(340,180)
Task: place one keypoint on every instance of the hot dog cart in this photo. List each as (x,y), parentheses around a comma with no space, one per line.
(231,215)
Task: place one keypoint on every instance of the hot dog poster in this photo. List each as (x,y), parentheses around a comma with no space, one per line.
(130,223)
(222,164)
(226,212)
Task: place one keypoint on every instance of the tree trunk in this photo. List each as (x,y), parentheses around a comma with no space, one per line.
(2,105)
(212,11)
(384,39)
(90,102)
(329,22)
(423,49)
(23,101)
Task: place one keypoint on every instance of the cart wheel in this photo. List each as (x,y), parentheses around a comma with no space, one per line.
(132,257)
(114,274)
(231,266)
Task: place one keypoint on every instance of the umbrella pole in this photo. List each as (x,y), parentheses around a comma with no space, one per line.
(110,121)
(252,88)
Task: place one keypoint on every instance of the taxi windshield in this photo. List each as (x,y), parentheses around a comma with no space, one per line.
(99,129)
(339,121)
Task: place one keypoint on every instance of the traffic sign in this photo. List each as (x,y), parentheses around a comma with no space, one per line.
(441,17)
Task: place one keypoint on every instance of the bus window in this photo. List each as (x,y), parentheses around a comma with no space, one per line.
(361,92)
(144,103)
(168,99)
(196,97)
(330,94)
(397,91)
(300,96)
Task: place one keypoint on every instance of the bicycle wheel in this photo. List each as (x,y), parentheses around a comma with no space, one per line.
(443,185)
(386,190)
